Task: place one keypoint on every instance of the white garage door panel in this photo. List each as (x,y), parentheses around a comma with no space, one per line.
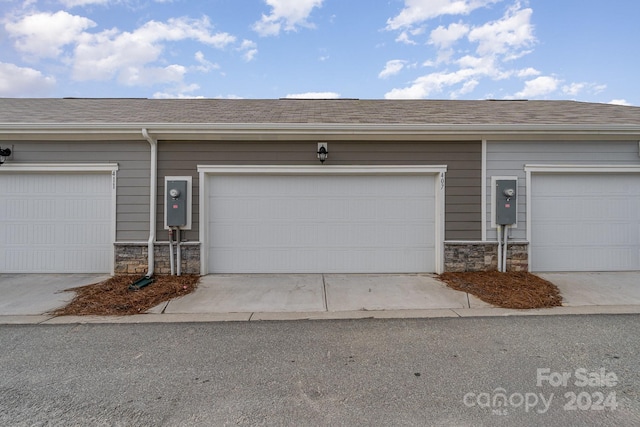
(56,223)
(585,222)
(321,224)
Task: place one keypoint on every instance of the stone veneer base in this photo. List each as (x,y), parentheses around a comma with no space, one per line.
(483,256)
(131,258)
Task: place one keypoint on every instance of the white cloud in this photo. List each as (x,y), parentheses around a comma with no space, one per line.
(496,43)
(176,29)
(287,15)
(132,58)
(314,95)
(231,96)
(180,92)
(619,102)
(539,86)
(21,81)
(45,34)
(205,65)
(73,3)
(403,37)
(486,66)
(149,76)
(575,88)
(417,11)
(506,36)
(425,86)
(528,72)
(392,67)
(127,54)
(445,37)
(80,3)
(249,49)
(466,88)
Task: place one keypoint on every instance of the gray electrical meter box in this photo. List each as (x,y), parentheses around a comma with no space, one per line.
(506,213)
(176,206)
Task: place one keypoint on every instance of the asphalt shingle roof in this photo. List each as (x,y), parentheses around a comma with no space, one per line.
(295,111)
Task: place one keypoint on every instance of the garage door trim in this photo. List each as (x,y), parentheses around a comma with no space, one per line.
(208,170)
(566,169)
(70,168)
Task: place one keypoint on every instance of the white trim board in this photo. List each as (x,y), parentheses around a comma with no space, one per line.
(320,170)
(208,170)
(582,168)
(58,167)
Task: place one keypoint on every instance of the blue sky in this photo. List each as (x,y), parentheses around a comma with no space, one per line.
(584,50)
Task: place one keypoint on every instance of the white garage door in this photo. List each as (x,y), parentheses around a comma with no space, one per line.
(321,224)
(56,223)
(585,222)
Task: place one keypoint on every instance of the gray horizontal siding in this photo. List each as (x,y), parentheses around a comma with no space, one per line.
(509,159)
(132,157)
(463,159)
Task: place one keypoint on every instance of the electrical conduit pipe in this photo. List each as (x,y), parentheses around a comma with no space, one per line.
(178,255)
(504,248)
(171,250)
(499,229)
(153,175)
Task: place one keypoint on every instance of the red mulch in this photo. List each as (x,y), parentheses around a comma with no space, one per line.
(508,290)
(113,297)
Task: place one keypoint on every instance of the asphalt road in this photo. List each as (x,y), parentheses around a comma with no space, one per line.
(548,370)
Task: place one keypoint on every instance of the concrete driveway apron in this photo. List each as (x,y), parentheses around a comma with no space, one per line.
(34,294)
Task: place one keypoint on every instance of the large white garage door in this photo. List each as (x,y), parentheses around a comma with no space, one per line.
(321,223)
(585,222)
(56,223)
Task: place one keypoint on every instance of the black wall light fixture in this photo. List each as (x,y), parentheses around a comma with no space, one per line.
(4,153)
(323,151)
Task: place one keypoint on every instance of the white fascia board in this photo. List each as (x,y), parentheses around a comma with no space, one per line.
(393,127)
(58,167)
(461,132)
(71,131)
(183,131)
(582,168)
(319,170)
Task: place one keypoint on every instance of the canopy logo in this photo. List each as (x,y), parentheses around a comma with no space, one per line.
(592,395)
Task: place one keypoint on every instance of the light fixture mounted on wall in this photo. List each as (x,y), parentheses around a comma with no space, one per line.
(4,153)
(323,151)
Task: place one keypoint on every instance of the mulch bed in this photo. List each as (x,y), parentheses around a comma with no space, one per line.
(113,297)
(508,290)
